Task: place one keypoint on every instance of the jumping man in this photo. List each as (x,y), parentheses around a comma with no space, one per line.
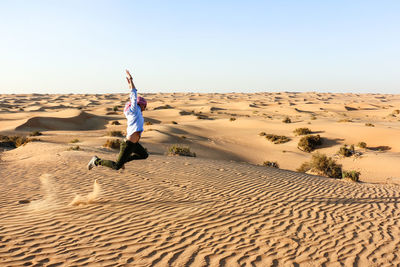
(130,149)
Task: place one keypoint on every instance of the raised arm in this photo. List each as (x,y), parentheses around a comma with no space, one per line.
(130,80)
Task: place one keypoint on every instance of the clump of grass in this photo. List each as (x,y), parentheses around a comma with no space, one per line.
(232,119)
(313,117)
(345,151)
(147,123)
(362,145)
(181,151)
(115,108)
(287,120)
(35,133)
(74,141)
(272,164)
(174,122)
(369,124)
(302,131)
(115,123)
(112,143)
(115,133)
(75,148)
(322,165)
(14,141)
(262,134)
(352,175)
(309,142)
(345,120)
(277,139)
(183,137)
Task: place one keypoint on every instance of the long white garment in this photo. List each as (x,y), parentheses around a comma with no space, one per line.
(133,115)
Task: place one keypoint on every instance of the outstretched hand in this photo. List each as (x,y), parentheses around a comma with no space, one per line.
(129,79)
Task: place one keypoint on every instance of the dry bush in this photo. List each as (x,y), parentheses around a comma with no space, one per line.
(112,143)
(74,148)
(345,120)
(74,141)
(345,151)
(369,124)
(115,133)
(180,151)
(147,123)
(322,165)
(14,141)
(272,164)
(287,120)
(352,175)
(115,108)
(362,145)
(232,119)
(35,133)
(115,123)
(309,142)
(302,131)
(277,139)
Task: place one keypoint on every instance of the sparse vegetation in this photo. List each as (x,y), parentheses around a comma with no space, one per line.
(313,117)
(74,141)
(74,148)
(322,165)
(112,143)
(232,119)
(362,145)
(352,175)
(277,139)
(369,124)
(115,123)
(309,142)
(35,133)
(345,120)
(115,108)
(396,112)
(302,131)
(180,151)
(345,151)
(115,133)
(14,141)
(147,123)
(287,120)
(272,164)
(174,122)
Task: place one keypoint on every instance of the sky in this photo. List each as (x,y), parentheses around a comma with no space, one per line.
(84,46)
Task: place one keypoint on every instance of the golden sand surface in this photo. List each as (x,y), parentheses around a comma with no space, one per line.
(221,208)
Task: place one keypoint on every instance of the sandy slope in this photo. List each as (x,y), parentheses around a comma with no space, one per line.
(177,211)
(218,209)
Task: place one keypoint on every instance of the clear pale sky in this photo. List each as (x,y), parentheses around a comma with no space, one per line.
(84,46)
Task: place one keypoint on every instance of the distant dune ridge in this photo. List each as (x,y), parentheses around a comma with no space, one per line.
(221,208)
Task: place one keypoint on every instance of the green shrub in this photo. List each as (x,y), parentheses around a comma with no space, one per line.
(309,142)
(277,139)
(115,123)
(322,165)
(272,164)
(181,151)
(115,108)
(287,120)
(115,133)
(35,133)
(112,143)
(369,124)
(345,151)
(362,145)
(302,131)
(74,141)
(352,175)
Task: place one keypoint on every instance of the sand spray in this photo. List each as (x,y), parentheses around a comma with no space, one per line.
(89,198)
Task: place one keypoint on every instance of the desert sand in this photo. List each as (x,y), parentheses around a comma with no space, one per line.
(220,208)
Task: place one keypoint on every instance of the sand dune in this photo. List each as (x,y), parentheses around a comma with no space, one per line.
(221,208)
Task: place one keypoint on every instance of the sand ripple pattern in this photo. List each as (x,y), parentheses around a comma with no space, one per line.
(176,211)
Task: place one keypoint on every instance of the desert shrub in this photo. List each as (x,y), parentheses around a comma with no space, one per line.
(180,151)
(322,165)
(14,141)
(277,139)
(313,117)
(115,123)
(287,120)
(74,141)
(272,164)
(232,119)
(345,151)
(352,175)
(174,122)
(35,133)
(396,111)
(74,148)
(112,143)
(345,120)
(183,137)
(369,124)
(147,123)
(302,131)
(115,108)
(362,145)
(309,142)
(262,134)
(115,133)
